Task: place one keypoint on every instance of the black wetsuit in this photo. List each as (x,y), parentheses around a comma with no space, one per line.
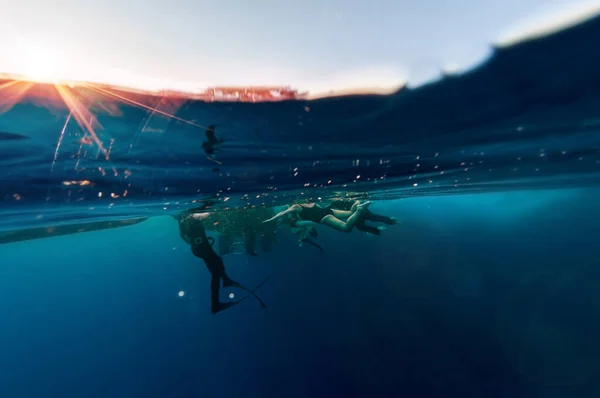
(193,232)
(314,213)
(366,215)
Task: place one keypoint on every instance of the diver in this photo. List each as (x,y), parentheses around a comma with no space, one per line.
(367,215)
(212,142)
(311,214)
(193,232)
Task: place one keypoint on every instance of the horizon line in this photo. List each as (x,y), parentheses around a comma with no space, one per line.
(201,93)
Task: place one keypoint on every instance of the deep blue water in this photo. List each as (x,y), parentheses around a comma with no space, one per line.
(489,287)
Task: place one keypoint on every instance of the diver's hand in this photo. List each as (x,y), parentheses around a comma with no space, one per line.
(269,220)
(200,216)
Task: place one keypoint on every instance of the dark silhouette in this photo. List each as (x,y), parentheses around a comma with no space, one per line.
(193,232)
(212,141)
(61,230)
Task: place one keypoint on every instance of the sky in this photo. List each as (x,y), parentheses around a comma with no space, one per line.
(314,45)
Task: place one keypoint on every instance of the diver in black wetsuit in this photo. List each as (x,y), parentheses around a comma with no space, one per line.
(211,143)
(310,214)
(366,215)
(192,231)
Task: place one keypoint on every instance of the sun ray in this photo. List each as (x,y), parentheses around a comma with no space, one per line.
(141,128)
(151,114)
(112,109)
(95,99)
(11,94)
(128,100)
(82,115)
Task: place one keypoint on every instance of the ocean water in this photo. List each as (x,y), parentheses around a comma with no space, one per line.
(487,287)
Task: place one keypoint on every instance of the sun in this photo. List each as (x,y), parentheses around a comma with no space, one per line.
(41,63)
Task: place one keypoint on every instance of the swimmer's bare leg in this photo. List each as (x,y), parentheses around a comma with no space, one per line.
(348,225)
(342,213)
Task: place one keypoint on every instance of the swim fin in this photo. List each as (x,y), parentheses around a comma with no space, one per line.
(252,292)
(223,306)
(310,241)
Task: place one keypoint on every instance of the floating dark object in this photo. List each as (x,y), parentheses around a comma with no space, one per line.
(212,141)
(60,230)
(4,136)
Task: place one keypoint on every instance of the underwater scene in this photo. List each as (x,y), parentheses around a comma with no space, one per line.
(438,241)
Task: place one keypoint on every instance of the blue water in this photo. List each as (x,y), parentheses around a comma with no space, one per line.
(489,286)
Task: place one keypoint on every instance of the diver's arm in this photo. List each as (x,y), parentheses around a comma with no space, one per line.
(291,209)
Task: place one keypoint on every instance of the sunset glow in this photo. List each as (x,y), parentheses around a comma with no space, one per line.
(343,52)
(40,63)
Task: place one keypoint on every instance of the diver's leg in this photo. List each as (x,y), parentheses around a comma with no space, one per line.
(370,216)
(216,272)
(217,269)
(363,227)
(216,305)
(342,213)
(215,302)
(346,213)
(220,269)
(345,226)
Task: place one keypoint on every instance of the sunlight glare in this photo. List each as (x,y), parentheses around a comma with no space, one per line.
(41,63)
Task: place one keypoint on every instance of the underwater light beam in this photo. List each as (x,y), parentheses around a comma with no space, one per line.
(62,133)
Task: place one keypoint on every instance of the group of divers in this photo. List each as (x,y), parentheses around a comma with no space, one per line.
(340,215)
